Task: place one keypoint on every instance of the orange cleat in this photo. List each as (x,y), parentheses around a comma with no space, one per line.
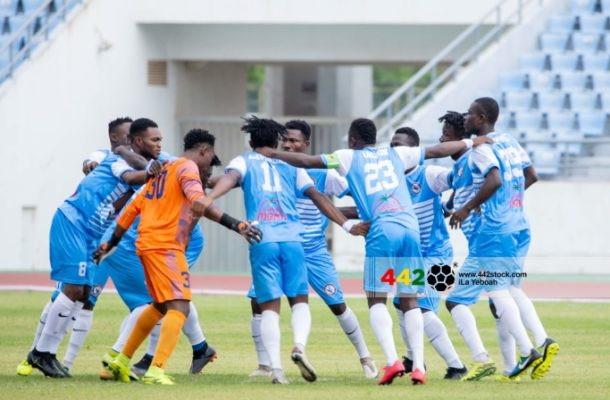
(390,372)
(418,377)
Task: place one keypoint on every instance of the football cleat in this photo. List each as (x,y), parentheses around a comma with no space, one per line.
(532,360)
(278,377)
(418,377)
(157,376)
(455,373)
(140,368)
(120,368)
(260,372)
(48,364)
(202,360)
(369,368)
(307,370)
(390,372)
(479,370)
(505,378)
(549,350)
(24,368)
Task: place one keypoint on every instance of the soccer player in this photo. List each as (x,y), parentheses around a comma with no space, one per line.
(271,188)
(501,173)
(169,206)
(392,244)
(76,228)
(425,185)
(321,272)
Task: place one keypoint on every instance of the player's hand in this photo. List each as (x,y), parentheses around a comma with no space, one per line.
(266,151)
(458,217)
(250,231)
(154,167)
(103,251)
(482,140)
(89,166)
(360,229)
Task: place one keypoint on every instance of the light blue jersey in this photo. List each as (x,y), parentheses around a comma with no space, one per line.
(503,212)
(463,185)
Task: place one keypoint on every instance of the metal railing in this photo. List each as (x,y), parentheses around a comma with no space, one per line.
(465,48)
(32,32)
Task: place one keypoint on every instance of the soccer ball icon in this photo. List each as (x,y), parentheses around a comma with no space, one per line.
(441,277)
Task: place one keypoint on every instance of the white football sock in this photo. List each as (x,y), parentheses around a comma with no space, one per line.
(191,327)
(403,332)
(41,323)
(80,330)
(301,324)
(529,316)
(261,353)
(153,339)
(270,333)
(439,339)
(381,322)
(414,325)
(60,314)
(351,327)
(508,312)
(507,347)
(467,326)
(127,326)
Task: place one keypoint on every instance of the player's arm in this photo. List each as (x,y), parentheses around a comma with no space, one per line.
(91,162)
(246,229)
(328,208)
(531,176)
(447,149)
(122,170)
(350,212)
(299,160)
(224,183)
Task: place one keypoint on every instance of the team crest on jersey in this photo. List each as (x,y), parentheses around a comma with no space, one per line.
(387,204)
(270,210)
(96,290)
(460,172)
(416,188)
(330,289)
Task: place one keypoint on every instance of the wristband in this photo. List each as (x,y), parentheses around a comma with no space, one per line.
(347,226)
(229,222)
(114,240)
(468,143)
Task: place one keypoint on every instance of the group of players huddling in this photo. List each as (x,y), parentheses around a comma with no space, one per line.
(134,218)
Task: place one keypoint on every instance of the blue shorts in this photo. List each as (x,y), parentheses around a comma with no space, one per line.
(430,299)
(322,276)
(393,246)
(70,252)
(278,268)
(467,290)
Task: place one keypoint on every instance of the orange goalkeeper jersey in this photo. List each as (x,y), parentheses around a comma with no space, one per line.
(164,205)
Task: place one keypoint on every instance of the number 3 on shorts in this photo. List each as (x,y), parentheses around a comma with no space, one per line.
(187,279)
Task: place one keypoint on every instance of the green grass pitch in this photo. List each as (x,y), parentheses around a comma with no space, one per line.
(581,369)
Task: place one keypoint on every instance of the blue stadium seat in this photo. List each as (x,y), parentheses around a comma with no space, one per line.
(512,81)
(601,81)
(8,7)
(551,101)
(606,6)
(527,121)
(591,123)
(564,61)
(583,101)
(573,81)
(554,41)
(586,42)
(533,61)
(574,147)
(579,6)
(557,122)
(503,122)
(32,5)
(561,24)
(593,23)
(541,81)
(518,101)
(604,101)
(546,159)
(595,61)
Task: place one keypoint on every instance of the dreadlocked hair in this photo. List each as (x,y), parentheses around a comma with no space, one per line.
(263,132)
(456,120)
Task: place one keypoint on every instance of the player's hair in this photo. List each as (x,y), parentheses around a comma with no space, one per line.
(112,125)
(140,126)
(263,132)
(410,132)
(299,125)
(456,120)
(490,107)
(196,137)
(364,129)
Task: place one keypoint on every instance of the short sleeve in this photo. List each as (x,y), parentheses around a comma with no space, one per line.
(190,181)
(438,178)
(97,156)
(238,164)
(335,184)
(410,156)
(119,167)
(484,159)
(304,182)
(341,160)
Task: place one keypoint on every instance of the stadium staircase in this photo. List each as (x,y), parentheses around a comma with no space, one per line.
(556,101)
(24,25)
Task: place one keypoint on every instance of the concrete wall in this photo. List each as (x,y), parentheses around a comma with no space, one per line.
(569,223)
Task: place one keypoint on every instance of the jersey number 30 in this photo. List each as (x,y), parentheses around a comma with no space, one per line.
(379,176)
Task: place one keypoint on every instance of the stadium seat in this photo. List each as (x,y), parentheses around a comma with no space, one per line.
(8,7)
(586,42)
(595,62)
(601,81)
(545,158)
(573,81)
(593,23)
(541,81)
(512,81)
(603,101)
(564,61)
(518,101)
(533,61)
(572,142)
(554,41)
(527,121)
(605,6)
(5,28)
(550,101)
(32,5)
(561,24)
(580,6)
(556,122)
(583,101)
(591,123)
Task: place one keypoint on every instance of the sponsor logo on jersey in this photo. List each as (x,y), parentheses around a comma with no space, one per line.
(270,210)
(387,204)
